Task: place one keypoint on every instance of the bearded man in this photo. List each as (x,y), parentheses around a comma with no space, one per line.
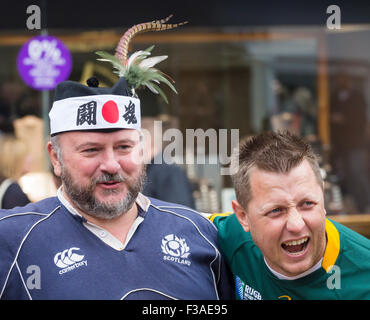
(100,238)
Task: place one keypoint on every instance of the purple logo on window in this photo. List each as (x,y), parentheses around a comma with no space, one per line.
(43,62)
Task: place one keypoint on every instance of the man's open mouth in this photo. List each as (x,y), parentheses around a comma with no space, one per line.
(109,184)
(295,247)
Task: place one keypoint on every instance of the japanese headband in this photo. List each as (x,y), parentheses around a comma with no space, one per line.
(80,107)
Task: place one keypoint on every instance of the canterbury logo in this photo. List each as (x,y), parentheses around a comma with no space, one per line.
(67,257)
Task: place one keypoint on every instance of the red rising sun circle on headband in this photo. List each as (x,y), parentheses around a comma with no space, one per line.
(110,111)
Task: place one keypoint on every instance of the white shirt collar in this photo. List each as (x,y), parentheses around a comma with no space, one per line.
(142,201)
(307,272)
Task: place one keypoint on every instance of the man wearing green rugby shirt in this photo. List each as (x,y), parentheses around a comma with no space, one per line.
(279,243)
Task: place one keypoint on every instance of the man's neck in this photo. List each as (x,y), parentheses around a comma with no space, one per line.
(301,275)
(118,226)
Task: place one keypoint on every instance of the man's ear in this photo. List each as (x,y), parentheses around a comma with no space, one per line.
(54,159)
(241,215)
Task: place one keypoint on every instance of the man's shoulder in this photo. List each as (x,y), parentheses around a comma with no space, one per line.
(352,257)
(227,224)
(177,209)
(231,235)
(17,224)
(19,219)
(180,212)
(351,240)
(222,218)
(40,207)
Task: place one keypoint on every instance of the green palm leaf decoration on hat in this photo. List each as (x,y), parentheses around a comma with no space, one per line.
(139,69)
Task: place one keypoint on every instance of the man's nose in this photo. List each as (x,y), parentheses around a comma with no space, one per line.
(110,162)
(295,222)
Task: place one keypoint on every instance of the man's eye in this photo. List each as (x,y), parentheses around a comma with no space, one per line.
(90,150)
(124,147)
(275,211)
(307,204)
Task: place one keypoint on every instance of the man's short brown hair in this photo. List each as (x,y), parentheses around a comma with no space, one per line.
(277,152)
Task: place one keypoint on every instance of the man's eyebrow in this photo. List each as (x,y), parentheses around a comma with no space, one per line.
(312,197)
(86,145)
(125,140)
(271,205)
(93,143)
(280,203)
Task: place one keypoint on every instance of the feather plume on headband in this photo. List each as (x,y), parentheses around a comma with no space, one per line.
(138,69)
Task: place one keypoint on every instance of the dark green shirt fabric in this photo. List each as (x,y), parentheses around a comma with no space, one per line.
(345,271)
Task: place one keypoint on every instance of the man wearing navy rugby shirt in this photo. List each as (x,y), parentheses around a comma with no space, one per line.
(100,238)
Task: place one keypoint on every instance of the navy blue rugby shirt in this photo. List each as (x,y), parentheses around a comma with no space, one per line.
(50,252)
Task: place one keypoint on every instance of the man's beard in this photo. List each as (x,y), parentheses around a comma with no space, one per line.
(83,196)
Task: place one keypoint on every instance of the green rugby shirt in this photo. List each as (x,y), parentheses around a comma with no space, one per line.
(344,274)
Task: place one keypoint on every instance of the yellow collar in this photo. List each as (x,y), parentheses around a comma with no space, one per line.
(332,246)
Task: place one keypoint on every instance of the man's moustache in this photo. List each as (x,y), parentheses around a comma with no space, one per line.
(109,177)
